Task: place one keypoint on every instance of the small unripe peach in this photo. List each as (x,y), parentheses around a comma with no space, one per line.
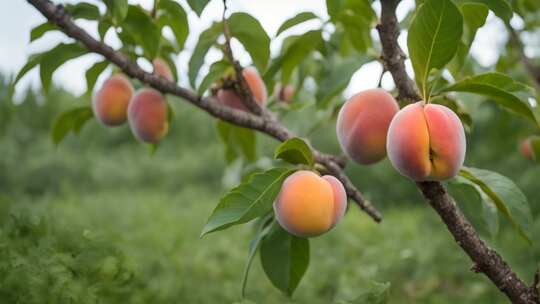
(111,101)
(147,115)
(362,125)
(309,205)
(426,142)
(161,68)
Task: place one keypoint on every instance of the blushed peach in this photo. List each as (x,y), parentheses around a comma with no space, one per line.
(162,69)
(362,125)
(426,142)
(111,101)
(147,115)
(256,84)
(309,205)
(284,93)
(527,149)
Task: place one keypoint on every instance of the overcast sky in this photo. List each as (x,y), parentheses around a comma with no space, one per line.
(17,19)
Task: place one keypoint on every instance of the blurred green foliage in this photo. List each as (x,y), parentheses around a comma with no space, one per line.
(98,219)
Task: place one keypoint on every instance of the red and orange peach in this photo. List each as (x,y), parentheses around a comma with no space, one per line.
(147,115)
(256,85)
(363,123)
(111,101)
(161,68)
(426,142)
(309,205)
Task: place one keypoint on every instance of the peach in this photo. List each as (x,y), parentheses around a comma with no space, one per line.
(161,68)
(362,125)
(426,142)
(526,148)
(111,101)
(309,205)
(256,85)
(147,115)
(285,93)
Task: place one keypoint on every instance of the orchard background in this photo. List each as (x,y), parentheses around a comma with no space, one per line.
(90,215)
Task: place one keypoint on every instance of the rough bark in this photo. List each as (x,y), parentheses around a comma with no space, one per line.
(485,259)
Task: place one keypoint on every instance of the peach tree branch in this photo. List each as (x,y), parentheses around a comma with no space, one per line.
(57,15)
(486,260)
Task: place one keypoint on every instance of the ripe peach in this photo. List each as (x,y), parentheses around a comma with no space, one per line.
(426,142)
(256,85)
(147,115)
(111,101)
(309,205)
(526,148)
(161,68)
(285,93)
(362,125)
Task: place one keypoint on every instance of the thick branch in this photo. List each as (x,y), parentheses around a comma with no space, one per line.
(485,259)
(58,16)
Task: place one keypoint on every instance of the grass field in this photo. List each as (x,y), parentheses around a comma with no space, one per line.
(100,220)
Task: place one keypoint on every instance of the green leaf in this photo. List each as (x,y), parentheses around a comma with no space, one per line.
(117,9)
(140,26)
(83,10)
(93,73)
(54,58)
(32,62)
(40,30)
(300,18)
(254,245)
(501,8)
(70,121)
(506,196)
(247,201)
(284,258)
(535,146)
(217,70)
(253,37)
(238,141)
(206,40)
(295,151)
(502,89)
(476,206)
(433,38)
(298,51)
(103,27)
(173,15)
(198,5)
(337,77)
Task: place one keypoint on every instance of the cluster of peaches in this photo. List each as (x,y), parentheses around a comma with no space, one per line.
(146,111)
(424,142)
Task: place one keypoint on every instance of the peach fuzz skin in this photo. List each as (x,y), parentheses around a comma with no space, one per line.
(426,142)
(111,101)
(256,85)
(147,116)
(309,205)
(362,125)
(162,69)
